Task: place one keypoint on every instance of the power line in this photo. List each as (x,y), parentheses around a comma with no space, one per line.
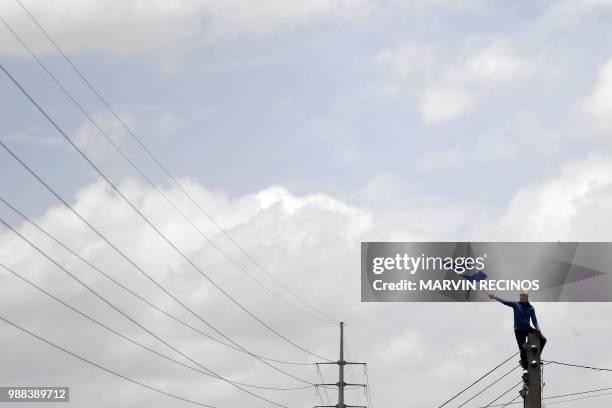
(560,396)
(323,382)
(164,169)
(131,262)
(131,162)
(148,222)
(125,337)
(576,365)
(131,319)
(318,394)
(488,386)
(542,379)
(115,373)
(504,393)
(133,293)
(561,401)
(358,395)
(546,362)
(478,380)
(579,398)
(579,393)
(368,388)
(511,401)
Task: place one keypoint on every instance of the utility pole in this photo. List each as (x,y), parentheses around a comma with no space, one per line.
(341,369)
(533,397)
(341,384)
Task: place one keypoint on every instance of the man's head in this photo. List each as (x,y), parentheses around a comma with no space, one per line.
(523,297)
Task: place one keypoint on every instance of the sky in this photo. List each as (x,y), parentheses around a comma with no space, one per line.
(302,129)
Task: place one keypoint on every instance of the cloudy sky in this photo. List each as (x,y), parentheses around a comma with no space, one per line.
(302,128)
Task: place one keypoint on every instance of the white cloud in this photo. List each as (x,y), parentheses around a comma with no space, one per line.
(237,18)
(384,190)
(598,105)
(31,136)
(115,27)
(448,88)
(525,133)
(409,61)
(568,13)
(573,206)
(495,147)
(240,18)
(441,160)
(286,103)
(168,124)
(312,244)
(93,142)
(443,102)
(460,86)
(123,27)
(525,136)
(348,155)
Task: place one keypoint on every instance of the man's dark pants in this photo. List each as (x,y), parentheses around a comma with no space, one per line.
(521,337)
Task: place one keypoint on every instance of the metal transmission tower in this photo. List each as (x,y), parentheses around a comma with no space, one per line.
(341,384)
(533,385)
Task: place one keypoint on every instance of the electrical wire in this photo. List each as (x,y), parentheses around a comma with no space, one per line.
(131,319)
(579,393)
(125,337)
(133,293)
(131,262)
(148,222)
(225,233)
(132,164)
(318,394)
(323,381)
(357,393)
(478,380)
(163,168)
(511,401)
(90,362)
(576,365)
(488,386)
(542,382)
(368,388)
(579,398)
(562,396)
(505,392)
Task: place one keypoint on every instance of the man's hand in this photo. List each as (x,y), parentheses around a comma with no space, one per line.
(491,296)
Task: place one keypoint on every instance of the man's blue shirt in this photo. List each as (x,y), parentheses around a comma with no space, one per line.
(522,314)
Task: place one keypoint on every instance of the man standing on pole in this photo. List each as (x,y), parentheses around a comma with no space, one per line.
(523,314)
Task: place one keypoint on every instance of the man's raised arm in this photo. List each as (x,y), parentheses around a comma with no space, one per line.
(500,300)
